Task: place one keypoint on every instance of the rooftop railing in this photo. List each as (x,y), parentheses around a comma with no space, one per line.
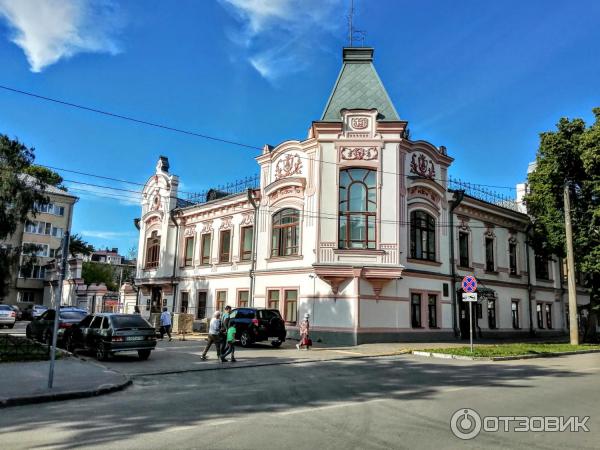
(482,193)
(223,190)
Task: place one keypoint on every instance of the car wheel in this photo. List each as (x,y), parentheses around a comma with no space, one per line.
(245,339)
(144,354)
(101,353)
(276,343)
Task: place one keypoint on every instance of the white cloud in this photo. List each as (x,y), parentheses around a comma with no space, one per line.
(280,37)
(108,235)
(50,30)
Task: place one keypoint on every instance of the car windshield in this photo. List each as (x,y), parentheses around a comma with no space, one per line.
(72,315)
(132,321)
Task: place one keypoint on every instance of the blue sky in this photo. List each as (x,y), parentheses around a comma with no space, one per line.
(481,78)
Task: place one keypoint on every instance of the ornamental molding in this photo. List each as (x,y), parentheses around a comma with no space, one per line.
(359,153)
(423,192)
(152,220)
(422,166)
(207,227)
(512,240)
(359,123)
(286,191)
(189,231)
(247,218)
(489,232)
(287,166)
(226,223)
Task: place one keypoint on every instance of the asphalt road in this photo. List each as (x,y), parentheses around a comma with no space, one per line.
(389,402)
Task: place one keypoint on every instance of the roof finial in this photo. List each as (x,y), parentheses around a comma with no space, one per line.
(360,35)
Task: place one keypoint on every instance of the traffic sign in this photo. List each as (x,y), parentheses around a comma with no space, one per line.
(469,283)
(469,297)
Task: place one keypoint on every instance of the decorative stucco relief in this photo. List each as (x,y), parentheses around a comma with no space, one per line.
(359,153)
(248,218)
(359,123)
(422,166)
(189,231)
(419,191)
(287,166)
(207,227)
(286,191)
(225,223)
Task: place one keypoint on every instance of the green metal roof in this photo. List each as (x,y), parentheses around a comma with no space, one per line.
(359,87)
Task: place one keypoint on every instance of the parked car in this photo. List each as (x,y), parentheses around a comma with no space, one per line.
(7,316)
(33,311)
(42,327)
(17,310)
(109,333)
(255,325)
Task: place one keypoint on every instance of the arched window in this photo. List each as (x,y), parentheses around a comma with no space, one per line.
(358,208)
(152,250)
(285,232)
(422,236)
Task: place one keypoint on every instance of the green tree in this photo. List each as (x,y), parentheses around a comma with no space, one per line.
(45,175)
(18,196)
(570,155)
(77,246)
(93,272)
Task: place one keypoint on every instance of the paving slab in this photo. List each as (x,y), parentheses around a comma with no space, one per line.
(27,382)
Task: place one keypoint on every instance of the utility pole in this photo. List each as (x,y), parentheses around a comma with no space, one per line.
(61,276)
(573,325)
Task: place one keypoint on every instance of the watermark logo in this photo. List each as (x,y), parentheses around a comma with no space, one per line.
(466,423)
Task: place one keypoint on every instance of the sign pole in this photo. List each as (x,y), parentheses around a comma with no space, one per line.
(471,324)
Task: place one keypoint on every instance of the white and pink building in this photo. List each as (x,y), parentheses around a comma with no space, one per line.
(357,225)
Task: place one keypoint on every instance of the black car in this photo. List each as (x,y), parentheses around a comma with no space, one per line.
(107,333)
(254,325)
(42,327)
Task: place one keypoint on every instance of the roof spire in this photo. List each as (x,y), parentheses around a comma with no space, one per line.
(352,33)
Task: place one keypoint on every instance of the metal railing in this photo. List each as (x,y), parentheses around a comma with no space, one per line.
(235,187)
(482,193)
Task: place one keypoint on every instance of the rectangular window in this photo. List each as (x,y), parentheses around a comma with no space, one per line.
(205,249)
(463,249)
(57,232)
(225,246)
(36,272)
(491,313)
(540,315)
(247,236)
(549,316)
(489,254)
(201,307)
(273,298)
(291,305)
(43,250)
(185,300)
(512,257)
(479,310)
(415,310)
(188,255)
(221,300)
(242,299)
(515,314)
(541,267)
(432,310)
(445,289)
(26,297)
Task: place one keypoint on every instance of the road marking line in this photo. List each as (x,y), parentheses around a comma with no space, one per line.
(347,352)
(321,408)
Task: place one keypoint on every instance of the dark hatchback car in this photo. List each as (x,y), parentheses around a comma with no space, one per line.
(42,327)
(255,325)
(106,334)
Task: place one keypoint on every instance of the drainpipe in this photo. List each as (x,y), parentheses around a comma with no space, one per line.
(251,273)
(458,198)
(529,287)
(173,285)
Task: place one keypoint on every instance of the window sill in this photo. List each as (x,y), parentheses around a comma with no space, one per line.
(424,261)
(284,258)
(514,275)
(545,280)
(492,272)
(224,263)
(468,269)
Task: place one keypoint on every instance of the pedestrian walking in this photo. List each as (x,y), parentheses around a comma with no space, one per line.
(165,324)
(224,327)
(214,335)
(305,340)
(230,347)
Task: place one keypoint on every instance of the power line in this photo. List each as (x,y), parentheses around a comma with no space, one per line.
(196,134)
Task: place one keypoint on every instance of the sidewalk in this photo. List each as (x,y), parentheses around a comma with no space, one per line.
(27,382)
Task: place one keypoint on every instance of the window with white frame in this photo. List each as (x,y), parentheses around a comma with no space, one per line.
(36,249)
(40,227)
(36,271)
(357,209)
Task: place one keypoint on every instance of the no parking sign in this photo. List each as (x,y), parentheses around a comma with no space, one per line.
(469,284)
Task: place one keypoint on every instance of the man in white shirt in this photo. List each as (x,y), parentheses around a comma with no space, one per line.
(214,335)
(165,324)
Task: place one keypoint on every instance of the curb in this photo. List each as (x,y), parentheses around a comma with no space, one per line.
(500,358)
(53,397)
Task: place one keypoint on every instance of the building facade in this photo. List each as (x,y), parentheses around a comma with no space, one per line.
(45,230)
(357,225)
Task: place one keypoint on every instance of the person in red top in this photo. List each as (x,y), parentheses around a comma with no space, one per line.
(305,341)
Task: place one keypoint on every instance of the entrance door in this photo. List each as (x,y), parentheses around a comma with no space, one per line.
(463,317)
(155,303)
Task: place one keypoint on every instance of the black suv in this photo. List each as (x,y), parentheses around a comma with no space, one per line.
(254,325)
